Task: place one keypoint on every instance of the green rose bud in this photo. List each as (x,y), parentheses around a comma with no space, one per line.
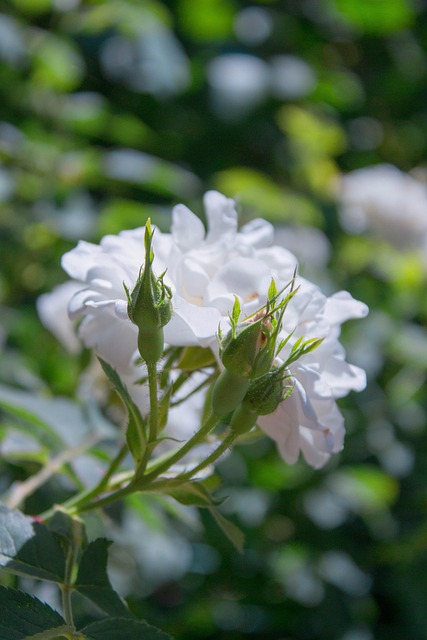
(247,351)
(228,392)
(263,396)
(243,420)
(266,393)
(149,305)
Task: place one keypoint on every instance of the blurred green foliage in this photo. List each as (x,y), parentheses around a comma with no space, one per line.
(113,110)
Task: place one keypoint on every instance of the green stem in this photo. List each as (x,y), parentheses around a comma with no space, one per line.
(198,437)
(67,586)
(82,503)
(153,419)
(154,403)
(102,502)
(147,482)
(88,494)
(66,592)
(183,477)
(221,448)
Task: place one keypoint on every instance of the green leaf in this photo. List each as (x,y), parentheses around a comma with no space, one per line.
(233,533)
(136,429)
(209,21)
(365,488)
(272,290)
(93,582)
(23,617)
(192,494)
(33,7)
(123,629)
(379,17)
(235,314)
(57,63)
(260,196)
(55,422)
(195,358)
(71,530)
(121,213)
(164,405)
(29,548)
(301,348)
(44,432)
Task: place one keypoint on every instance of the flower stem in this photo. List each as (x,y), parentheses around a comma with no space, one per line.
(89,494)
(150,482)
(154,403)
(222,447)
(164,483)
(70,563)
(83,501)
(198,437)
(66,592)
(102,502)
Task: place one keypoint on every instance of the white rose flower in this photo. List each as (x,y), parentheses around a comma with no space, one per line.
(53,311)
(387,202)
(205,271)
(309,420)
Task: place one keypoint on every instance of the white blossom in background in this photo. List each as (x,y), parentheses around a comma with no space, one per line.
(386,202)
(311,248)
(13,46)
(205,271)
(149,60)
(253,25)
(239,82)
(53,311)
(291,77)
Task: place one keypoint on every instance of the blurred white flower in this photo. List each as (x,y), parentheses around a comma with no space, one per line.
(205,271)
(165,555)
(53,311)
(291,77)
(311,248)
(239,82)
(7,184)
(253,25)
(138,167)
(13,47)
(387,202)
(149,61)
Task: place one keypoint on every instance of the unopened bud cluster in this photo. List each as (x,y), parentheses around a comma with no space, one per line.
(251,385)
(247,353)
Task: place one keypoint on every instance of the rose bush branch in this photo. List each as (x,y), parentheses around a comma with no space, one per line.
(274,359)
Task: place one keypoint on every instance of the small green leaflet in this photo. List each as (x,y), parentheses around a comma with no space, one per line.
(123,629)
(29,548)
(93,582)
(136,429)
(301,348)
(195,358)
(191,494)
(233,533)
(23,617)
(196,495)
